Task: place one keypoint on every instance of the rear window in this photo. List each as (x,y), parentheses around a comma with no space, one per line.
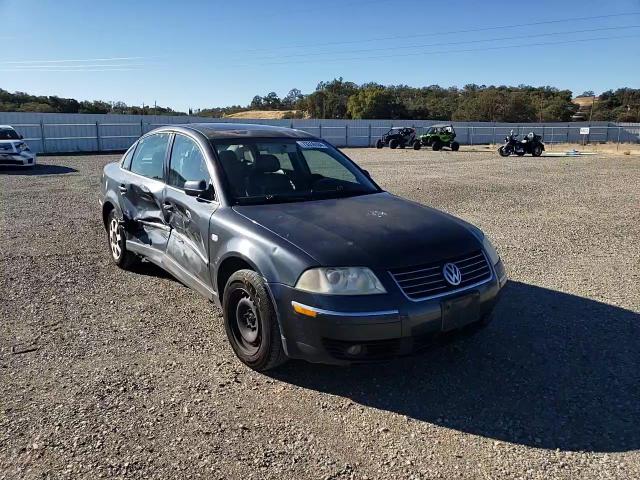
(148,159)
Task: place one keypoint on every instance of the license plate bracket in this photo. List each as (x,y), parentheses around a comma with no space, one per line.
(460,311)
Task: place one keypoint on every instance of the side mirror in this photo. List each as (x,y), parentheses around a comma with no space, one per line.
(195,188)
(20,136)
(366,172)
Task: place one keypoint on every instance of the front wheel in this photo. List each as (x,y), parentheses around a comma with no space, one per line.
(393,144)
(251,323)
(455,146)
(503,151)
(416,145)
(537,151)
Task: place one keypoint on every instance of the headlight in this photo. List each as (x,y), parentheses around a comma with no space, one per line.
(490,251)
(340,281)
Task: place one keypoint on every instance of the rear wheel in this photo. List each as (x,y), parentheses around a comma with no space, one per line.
(251,323)
(436,145)
(118,243)
(379,144)
(393,144)
(455,146)
(416,145)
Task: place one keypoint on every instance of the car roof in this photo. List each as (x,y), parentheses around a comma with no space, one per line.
(441,125)
(216,131)
(7,127)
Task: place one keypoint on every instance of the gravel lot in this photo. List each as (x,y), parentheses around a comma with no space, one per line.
(106,373)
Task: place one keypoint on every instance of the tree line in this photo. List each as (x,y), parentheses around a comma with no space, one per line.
(341,99)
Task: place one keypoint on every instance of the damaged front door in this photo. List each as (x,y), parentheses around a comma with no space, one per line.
(188,214)
(142,192)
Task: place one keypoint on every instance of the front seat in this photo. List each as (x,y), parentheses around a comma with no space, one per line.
(264,180)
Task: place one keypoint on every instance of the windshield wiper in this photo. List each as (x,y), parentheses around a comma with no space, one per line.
(273,198)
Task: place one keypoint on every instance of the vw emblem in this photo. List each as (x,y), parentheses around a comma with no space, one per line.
(452,274)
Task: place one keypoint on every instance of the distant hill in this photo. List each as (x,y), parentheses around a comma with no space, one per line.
(584,107)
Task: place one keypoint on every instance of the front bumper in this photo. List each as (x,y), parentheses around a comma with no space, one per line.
(372,327)
(23,159)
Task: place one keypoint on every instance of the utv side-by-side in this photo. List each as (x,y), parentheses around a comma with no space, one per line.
(398,137)
(438,136)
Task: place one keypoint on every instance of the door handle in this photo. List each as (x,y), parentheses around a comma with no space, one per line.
(167,206)
(122,188)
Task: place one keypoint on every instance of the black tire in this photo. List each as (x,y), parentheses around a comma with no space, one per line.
(503,151)
(117,242)
(393,143)
(251,323)
(416,145)
(436,145)
(455,146)
(537,151)
(379,143)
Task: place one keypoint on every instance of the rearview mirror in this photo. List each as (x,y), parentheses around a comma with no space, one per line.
(195,188)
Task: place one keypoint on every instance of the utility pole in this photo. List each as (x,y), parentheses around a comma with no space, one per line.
(593,100)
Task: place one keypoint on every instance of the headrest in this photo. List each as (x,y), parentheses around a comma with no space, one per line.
(267,164)
(228,156)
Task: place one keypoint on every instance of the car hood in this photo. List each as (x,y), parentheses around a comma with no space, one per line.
(378,230)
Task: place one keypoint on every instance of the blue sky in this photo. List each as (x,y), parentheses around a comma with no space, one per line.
(213,53)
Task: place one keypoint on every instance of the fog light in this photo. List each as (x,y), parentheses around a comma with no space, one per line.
(354,350)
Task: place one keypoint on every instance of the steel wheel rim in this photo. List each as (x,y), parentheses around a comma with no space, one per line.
(115,239)
(245,323)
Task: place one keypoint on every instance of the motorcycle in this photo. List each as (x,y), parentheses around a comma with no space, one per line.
(531,143)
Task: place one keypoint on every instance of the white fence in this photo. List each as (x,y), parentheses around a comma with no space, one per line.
(57,133)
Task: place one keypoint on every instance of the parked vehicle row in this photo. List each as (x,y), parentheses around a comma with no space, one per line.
(443,135)
(305,254)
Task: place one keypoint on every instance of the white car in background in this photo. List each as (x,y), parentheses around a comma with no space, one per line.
(13,150)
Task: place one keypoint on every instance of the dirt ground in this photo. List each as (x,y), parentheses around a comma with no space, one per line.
(113,374)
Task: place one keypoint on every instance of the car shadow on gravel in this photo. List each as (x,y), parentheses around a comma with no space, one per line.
(39,169)
(552,371)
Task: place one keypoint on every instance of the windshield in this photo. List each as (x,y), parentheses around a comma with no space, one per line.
(286,170)
(8,134)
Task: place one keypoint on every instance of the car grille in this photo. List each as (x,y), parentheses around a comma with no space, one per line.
(427,281)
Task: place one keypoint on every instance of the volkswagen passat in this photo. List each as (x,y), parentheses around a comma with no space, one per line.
(307,257)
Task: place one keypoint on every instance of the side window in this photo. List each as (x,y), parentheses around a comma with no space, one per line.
(323,164)
(187,162)
(126,160)
(148,159)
